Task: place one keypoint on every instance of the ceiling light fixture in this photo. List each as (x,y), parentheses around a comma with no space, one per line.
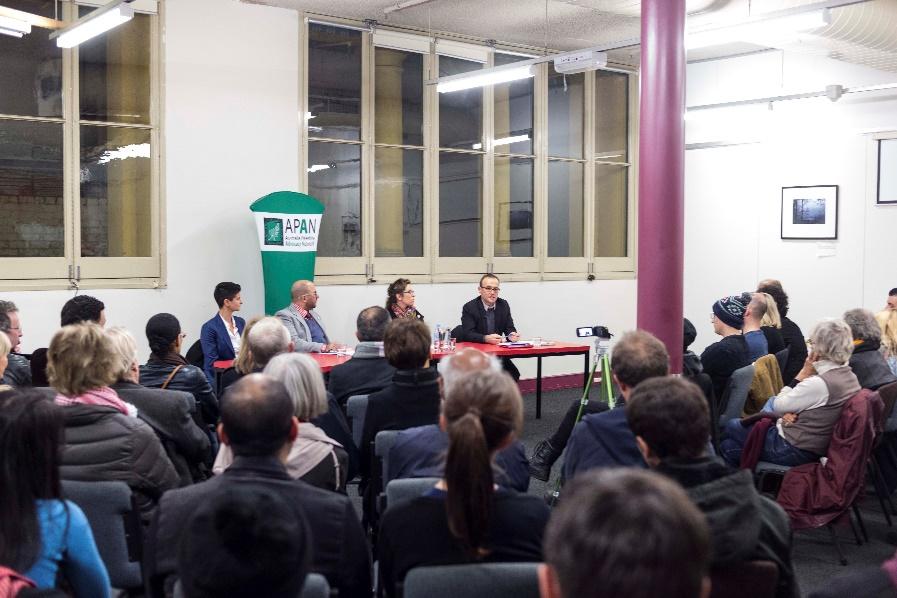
(99,21)
(14,27)
(403,5)
(760,30)
(493,76)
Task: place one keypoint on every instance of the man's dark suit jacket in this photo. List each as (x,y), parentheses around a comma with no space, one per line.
(473,320)
(340,553)
(170,413)
(359,376)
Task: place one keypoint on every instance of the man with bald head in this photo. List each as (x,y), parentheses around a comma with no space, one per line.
(420,452)
(304,325)
(258,424)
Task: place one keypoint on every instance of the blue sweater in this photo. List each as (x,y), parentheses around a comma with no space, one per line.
(602,440)
(67,542)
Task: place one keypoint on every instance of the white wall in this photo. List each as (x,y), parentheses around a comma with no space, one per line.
(733,194)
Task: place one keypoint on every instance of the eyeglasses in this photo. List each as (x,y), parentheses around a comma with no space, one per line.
(491,289)
(310,294)
(407,293)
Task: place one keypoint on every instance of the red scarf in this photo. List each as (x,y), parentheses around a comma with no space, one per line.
(104,397)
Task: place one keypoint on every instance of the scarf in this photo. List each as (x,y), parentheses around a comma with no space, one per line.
(170,358)
(102,397)
(400,313)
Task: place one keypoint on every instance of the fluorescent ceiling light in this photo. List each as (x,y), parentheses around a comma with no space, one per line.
(317,167)
(135,150)
(510,140)
(481,79)
(762,30)
(14,27)
(97,22)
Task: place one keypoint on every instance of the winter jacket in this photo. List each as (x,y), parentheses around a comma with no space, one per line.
(190,379)
(870,366)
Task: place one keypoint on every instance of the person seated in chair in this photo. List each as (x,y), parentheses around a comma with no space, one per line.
(807,412)
(400,298)
(730,353)
(221,337)
(18,368)
(791,332)
(671,423)
(487,319)
(305,326)
(866,361)
(755,309)
(368,371)
(78,309)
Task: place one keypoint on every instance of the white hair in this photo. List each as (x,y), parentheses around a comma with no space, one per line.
(125,347)
(450,374)
(832,340)
(302,377)
(266,339)
(863,325)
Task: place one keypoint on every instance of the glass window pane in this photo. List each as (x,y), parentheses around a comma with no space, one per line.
(565,209)
(334,82)
(114,71)
(513,112)
(398,97)
(116,188)
(611,215)
(334,179)
(31,190)
(566,99)
(399,202)
(513,207)
(611,116)
(460,205)
(31,67)
(460,112)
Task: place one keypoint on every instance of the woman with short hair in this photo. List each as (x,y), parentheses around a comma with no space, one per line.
(314,457)
(400,297)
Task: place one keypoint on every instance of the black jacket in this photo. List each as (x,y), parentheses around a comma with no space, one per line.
(18,371)
(870,366)
(170,414)
(473,320)
(189,379)
(774,340)
(797,354)
(340,553)
(359,376)
(722,358)
(744,526)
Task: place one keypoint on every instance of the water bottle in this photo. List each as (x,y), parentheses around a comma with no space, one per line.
(436,336)
(447,339)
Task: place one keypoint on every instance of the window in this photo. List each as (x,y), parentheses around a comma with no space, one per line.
(104,224)
(529,178)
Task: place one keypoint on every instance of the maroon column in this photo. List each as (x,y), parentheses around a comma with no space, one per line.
(661,182)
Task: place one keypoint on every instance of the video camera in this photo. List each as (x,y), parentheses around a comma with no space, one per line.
(596,331)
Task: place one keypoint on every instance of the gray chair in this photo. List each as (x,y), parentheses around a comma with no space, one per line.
(407,488)
(736,394)
(115,522)
(496,580)
(316,586)
(383,443)
(782,358)
(356,408)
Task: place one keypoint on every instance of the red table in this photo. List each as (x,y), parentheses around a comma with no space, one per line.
(327,361)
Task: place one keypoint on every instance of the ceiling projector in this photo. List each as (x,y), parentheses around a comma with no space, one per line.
(580,62)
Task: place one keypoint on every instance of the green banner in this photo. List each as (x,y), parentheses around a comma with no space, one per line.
(287,224)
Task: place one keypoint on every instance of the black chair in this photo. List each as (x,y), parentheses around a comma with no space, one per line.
(315,586)
(404,489)
(496,580)
(751,579)
(782,358)
(195,356)
(115,521)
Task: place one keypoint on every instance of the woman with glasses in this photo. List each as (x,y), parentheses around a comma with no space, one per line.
(400,300)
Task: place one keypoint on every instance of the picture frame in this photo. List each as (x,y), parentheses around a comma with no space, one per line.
(810,212)
(886,170)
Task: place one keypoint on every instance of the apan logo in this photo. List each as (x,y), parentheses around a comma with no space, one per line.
(273,231)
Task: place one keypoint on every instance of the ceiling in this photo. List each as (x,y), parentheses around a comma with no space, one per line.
(863,33)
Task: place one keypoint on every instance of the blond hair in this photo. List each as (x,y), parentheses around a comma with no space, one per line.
(125,347)
(5,344)
(304,382)
(80,358)
(887,319)
(771,317)
(244,362)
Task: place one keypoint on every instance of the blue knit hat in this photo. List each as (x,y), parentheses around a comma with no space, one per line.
(730,310)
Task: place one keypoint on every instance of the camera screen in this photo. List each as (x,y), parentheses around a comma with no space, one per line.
(584,331)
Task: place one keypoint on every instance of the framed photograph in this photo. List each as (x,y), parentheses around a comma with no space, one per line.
(886,171)
(810,212)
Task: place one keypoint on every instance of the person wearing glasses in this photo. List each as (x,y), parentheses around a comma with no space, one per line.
(487,318)
(305,325)
(400,301)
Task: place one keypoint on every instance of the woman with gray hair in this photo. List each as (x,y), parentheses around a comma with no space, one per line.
(867,361)
(806,413)
(314,458)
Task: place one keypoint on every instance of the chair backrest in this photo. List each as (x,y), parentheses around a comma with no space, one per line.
(356,408)
(888,394)
(195,356)
(736,393)
(750,579)
(407,489)
(115,522)
(315,586)
(782,358)
(383,443)
(496,580)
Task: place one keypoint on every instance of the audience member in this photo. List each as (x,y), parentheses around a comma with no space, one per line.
(465,517)
(368,371)
(83,308)
(671,423)
(304,325)
(604,439)
(625,534)
(755,309)
(731,352)
(18,368)
(420,452)
(807,412)
(487,319)
(170,413)
(314,457)
(221,336)
(400,300)
(167,369)
(412,399)
(891,302)
(245,542)
(104,438)
(258,424)
(5,348)
(794,338)
(243,363)
(866,361)
(691,363)
(771,323)
(42,535)
(887,320)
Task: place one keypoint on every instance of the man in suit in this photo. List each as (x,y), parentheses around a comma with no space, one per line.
(305,326)
(257,422)
(487,318)
(220,337)
(368,371)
